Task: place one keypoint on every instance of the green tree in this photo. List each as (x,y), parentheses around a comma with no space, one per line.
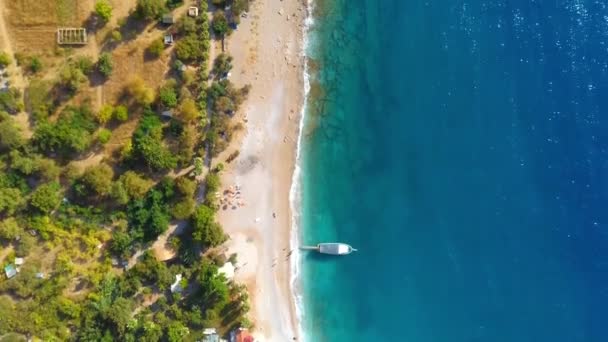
(48,169)
(105,114)
(222,65)
(156,48)
(148,145)
(219,24)
(10,229)
(96,180)
(47,197)
(176,332)
(105,64)
(188,110)
(103,9)
(213,290)
(25,163)
(121,113)
(185,186)
(136,184)
(5,59)
(206,230)
(184,209)
(11,200)
(119,314)
(151,9)
(192,48)
(72,132)
(10,135)
(121,244)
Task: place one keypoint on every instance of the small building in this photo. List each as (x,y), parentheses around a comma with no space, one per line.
(167,114)
(19,261)
(176,287)
(193,11)
(168,19)
(168,39)
(72,36)
(10,271)
(210,335)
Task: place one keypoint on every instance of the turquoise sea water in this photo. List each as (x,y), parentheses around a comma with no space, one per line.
(462,146)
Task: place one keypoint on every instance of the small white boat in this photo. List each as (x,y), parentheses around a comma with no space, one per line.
(333,248)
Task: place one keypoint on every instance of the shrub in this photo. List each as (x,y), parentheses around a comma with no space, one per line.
(156,48)
(103,9)
(5,59)
(121,113)
(232,156)
(105,114)
(116,35)
(104,135)
(35,65)
(137,88)
(105,64)
(167,95)
(85,64)
(10,101)
(71,77)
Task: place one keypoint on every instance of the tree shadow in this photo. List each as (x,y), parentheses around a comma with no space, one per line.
(93,23)
(133,26)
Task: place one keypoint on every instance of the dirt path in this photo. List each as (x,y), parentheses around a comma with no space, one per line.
(15,73)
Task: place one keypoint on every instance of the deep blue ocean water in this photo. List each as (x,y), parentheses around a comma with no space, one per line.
(462,147)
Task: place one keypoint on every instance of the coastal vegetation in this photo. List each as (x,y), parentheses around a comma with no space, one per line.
(90,184)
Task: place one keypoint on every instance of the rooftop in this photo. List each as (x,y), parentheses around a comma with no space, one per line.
(10,271)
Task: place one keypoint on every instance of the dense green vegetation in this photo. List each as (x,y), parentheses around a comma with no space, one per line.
(85,225)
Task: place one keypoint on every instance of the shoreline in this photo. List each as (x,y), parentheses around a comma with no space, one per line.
(268,50)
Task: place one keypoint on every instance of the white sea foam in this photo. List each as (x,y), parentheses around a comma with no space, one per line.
(295,192)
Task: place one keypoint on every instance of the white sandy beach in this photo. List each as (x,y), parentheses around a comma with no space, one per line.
(267,55)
